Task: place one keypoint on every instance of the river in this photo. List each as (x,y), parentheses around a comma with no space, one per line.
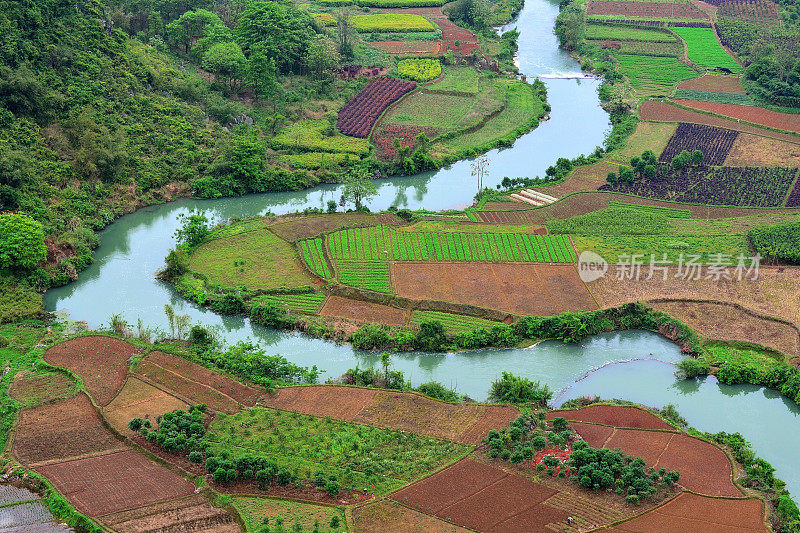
(122,279)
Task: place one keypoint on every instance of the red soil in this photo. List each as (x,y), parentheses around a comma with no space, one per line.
(58,431)
(664,112)
(185,389)
(342,403)
(241,393)
(714,83)
(366,312)
(101,362)
(756,115)
(493,417)
(649,445)
(613,415)
(595,435)
(422,48)
(517,216)
(115,482)
(646,9)
(699,514)
(519,288)
(191,513)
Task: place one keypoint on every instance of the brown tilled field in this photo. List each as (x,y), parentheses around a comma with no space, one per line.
(101,362)
(185,514)
(595,435)
(493,417)
(31,389)
(342,403)
(513,216)
(138,399)
(367,312)
(756,115)
(385,515)
(698,514)
(714,83)
(750,150)
(519,288)
(243,394)
(185,388)
(294,228)
(482,497)
(58,431)
(726,322)
(647,10)
(583,178)
(115,482)
(613,415)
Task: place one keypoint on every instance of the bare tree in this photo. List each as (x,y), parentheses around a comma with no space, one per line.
(345,30)
(480,169)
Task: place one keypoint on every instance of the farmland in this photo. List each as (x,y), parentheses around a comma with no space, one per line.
(259,511)
(314,257)
(308,302)
(451,322)
(705,50)
(653,74)
(755,115)
(605,32)
(371,275)
(715,143)
(309,135)
(357,117)
(363,312)
(646,10)
(391,22)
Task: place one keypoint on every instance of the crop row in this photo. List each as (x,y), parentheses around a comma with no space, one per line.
(358,116)
(388,244)
(601,32)
(311,251)
(668,10)
(645,71)
(709,96)
(715,143)
(670,212)
(372,275)
(384,3)
(452,323)
(748,186)
(308,303)
(655,49)
(391,22)
(705,50)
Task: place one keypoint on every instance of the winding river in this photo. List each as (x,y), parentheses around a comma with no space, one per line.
(634,365)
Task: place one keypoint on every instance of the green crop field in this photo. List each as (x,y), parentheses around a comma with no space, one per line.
(315,160)
(458,79)
(670,212)
(359,456)
(389,244)
(372,275)
(452,323)
(705,50)
(311,250)
(709,96)
(604,32)
(650,48)
(620,248)
(307,135)
(256,512)
(308,303)
(391,22)
(654,73)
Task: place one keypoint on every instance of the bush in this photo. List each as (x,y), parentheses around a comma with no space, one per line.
(778,242)
(135,424)
(690,368)
(332,487)
(434,389)
(514,389)
(21,242)
(196,457)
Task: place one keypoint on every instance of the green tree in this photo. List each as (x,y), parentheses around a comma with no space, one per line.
(242,163)
(21,242)
(697,157)
(190,27)
(226,61)
(193,229)
(322,57)
(262,75)
(358,188)
(344,31)
(571,25)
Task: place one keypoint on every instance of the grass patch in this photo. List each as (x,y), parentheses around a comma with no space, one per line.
(620,248)
(605,32)
(704,49)
(391,22)
(316,160)
(360,456)
(260,512)
(613,221)
(452,323)
(458,79)
(309,135)
(648,136)
(308,303)
(18,300)
(255,260)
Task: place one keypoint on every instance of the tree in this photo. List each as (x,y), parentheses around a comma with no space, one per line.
(262,75)
(193,230)
(358,188)
(191,26)
(480,169)
(571,26)
(242,162)
(170,318)
(322,57)
(21,242)
(386,362)
(227,61)
(345,31)
(681,160)
(697,157)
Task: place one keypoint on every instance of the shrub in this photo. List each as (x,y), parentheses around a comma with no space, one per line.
(135,424)
(514,389)
(332,487)
(21,242)
(434,389)
(196,457)
(778,242)
(690,368)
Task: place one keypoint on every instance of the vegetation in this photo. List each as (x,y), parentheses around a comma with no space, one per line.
(420,70)
(705,50)
(778,242)
(519,390)
(452,323)
(391,22)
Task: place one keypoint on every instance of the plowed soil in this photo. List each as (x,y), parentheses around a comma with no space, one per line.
(385,515)
(191,513)
(423,48)
(101,362)
(138,399)
(515,216)
(649,445)
(342,403)
(755,151)
(519,288)
(756,115)
(595,435)
(493,417)
(366,312)
(115,482)
(664,112)
(613,415)
(714,83)
(185,388)
(63,430)
(241,393)
(698,514)
(31,389)
(293,228)
(646,10)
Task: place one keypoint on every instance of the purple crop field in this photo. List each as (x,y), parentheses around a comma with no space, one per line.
(715,143)
(746,187)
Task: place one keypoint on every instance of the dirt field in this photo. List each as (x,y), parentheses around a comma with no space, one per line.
(467,423)
(726,322)
(101,362)
(241,393)
(186,514)
(63,430)
(613,415)
(484,498)
(138,399)
(367,312)
(648,136)
(115,482)
(647,10)
(521,288)
(342,403)
(583,178)
(385,515)
(714,83)
(698,514)
(662,111)
(186,389)
(514,216)
(774,293)
(595,435)
(31,389)
(756,115)
(704,468)
(294,228)
(755,151)
(408,47)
